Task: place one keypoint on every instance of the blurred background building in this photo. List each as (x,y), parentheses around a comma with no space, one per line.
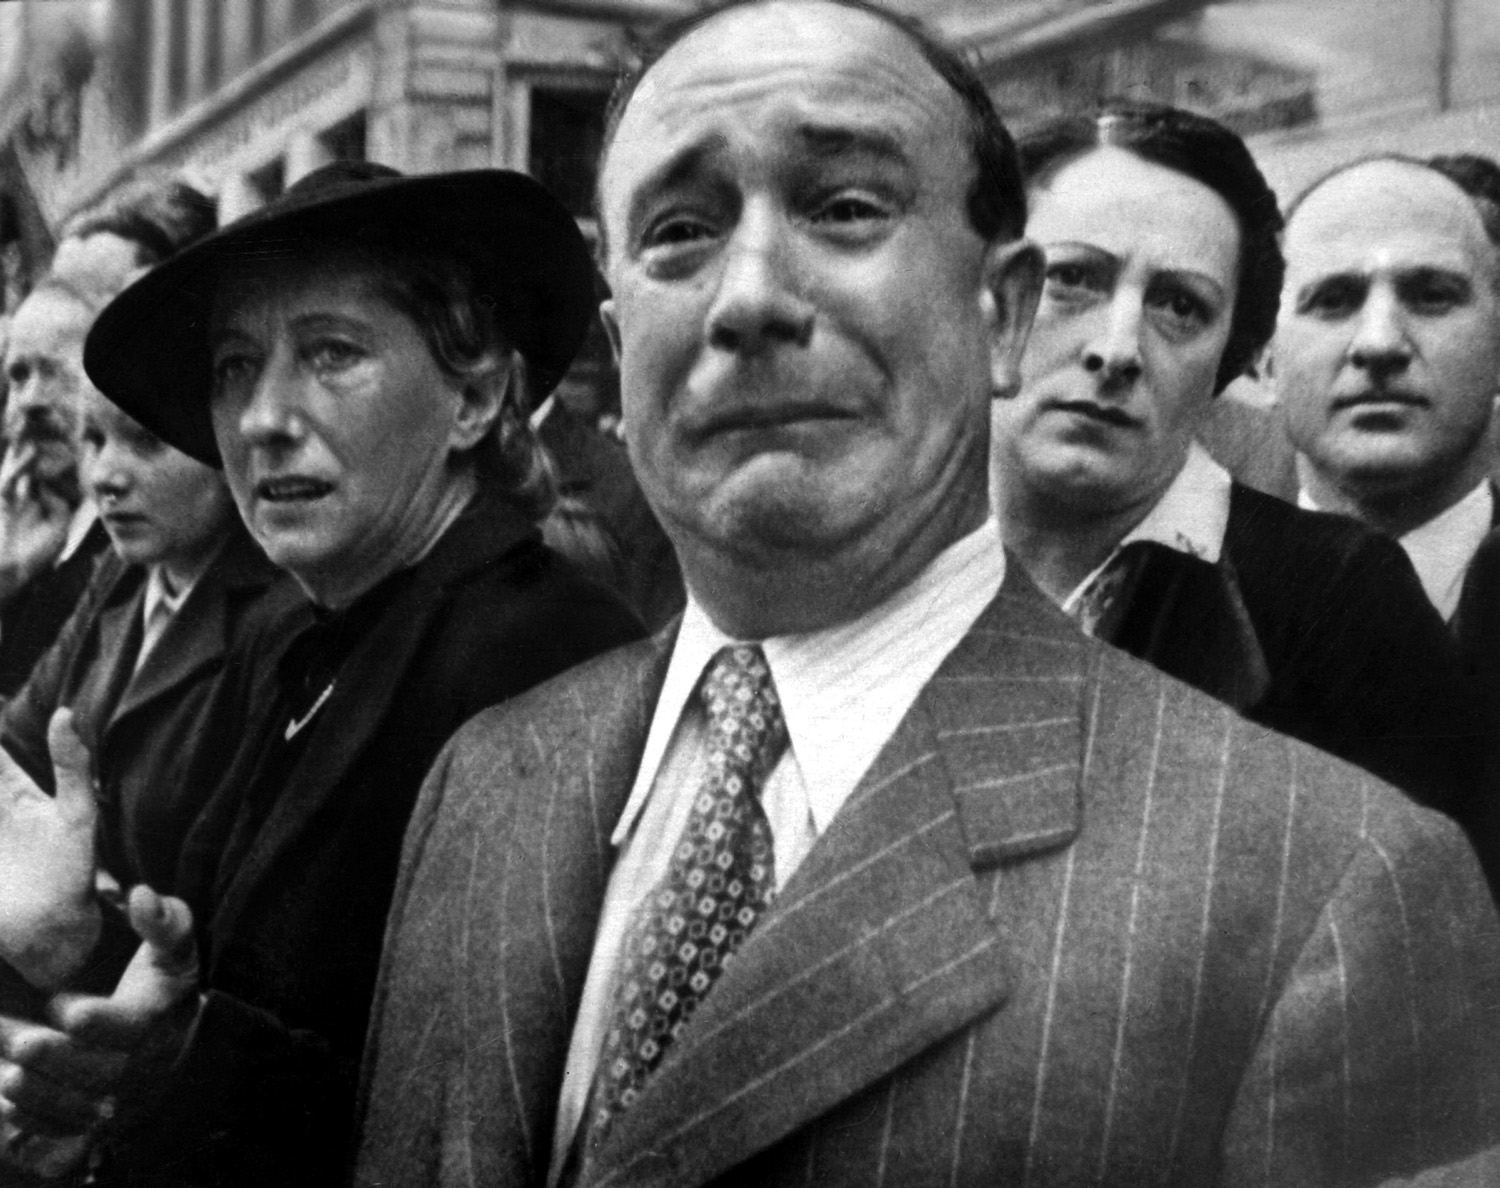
(245,96)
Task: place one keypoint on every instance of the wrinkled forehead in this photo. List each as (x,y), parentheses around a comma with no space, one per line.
(765,71)
(1388,214)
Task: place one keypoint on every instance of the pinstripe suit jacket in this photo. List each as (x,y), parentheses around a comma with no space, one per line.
(1079,924)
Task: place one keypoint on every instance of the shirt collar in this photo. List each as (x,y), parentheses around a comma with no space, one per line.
(1441,549)
(163,591)
(1191,516)
(844,689)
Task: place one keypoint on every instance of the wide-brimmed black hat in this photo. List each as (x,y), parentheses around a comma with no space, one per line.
(148,351)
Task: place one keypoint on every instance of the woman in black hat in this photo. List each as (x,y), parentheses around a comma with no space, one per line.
(350,355)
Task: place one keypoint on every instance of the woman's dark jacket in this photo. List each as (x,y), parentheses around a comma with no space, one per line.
(142,727)
(289,870)
(1317,627)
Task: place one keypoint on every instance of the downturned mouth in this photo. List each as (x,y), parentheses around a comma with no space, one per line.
(1106,414)
(292,489)
(753,419)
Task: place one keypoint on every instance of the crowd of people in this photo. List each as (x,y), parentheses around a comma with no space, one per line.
(949,741)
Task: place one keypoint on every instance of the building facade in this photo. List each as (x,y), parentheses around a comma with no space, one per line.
(243,97)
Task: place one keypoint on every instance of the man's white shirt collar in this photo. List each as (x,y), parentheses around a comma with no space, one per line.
(1441,549)
(1191,517)
(843,690)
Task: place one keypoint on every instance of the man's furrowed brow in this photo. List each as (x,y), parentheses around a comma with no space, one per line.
(677,170)
(842,141)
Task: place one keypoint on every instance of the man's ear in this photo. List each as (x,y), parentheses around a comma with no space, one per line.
(1012,286)
(611,326)
(480,399)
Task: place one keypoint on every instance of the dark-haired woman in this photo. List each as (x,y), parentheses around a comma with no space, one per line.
(1162,284)
(349,356)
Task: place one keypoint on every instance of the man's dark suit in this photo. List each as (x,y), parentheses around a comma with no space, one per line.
(1078,924)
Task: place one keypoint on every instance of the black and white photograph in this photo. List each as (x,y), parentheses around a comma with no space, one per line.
(737,593)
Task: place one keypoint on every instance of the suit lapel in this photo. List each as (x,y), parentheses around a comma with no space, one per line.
(540,897)
(881,944)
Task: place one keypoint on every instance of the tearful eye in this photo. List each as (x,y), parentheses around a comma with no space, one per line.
(849,209)
(676,231)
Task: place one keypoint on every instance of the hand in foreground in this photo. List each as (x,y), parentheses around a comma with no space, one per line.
(49,922)
(59,1084)
(34,519)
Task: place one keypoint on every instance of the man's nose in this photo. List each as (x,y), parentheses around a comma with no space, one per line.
(758,304)
(1380,344)
(1113,351)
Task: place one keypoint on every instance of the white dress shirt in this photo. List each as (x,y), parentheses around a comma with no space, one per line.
(843,692)
(1441,549)
(1191,517)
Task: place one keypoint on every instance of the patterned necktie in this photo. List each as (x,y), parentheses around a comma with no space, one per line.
(721,879)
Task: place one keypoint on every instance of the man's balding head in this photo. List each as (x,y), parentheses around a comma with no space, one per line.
(810,324)
(1387,354)
(997,200)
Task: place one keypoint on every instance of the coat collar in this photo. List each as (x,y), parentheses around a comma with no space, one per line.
(882,942)
(488,530)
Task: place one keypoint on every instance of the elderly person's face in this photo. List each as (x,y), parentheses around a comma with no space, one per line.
(159,506)
(44,375)
(1142,268)
(800,304)
(1387,351)
(343,441)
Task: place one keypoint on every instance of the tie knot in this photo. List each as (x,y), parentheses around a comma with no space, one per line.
(744,713)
